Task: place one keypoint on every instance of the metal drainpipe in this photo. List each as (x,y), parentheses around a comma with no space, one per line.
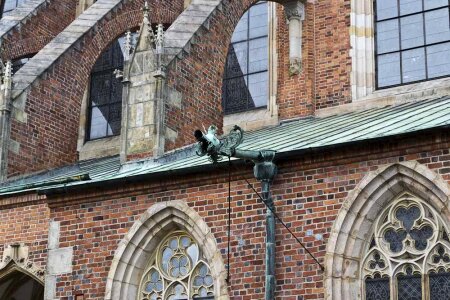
(265,171)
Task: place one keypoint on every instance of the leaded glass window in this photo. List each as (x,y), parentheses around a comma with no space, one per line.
(246,78)
(177,271)
(105,93)
(9,5)
(412,41)
(408,256)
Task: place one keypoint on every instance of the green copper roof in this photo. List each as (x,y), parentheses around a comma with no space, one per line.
(308,133)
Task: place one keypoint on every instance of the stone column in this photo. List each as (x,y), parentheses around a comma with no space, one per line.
(5,117)
(295,14)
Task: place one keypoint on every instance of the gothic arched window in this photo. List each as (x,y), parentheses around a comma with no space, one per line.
(412,41)
(177,271)
(105,93)
(409,254)
(246,78)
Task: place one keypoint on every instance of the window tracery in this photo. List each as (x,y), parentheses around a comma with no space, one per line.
(177,271)
(409,255)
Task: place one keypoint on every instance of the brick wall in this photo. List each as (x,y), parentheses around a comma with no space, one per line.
(308,194)
(324,82)
(332,54)
(26,223)
(49,138)
(33,35)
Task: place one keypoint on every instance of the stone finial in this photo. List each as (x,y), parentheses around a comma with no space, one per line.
(7,73)
(128,45)
(159,40)
(6,85)
(146,10)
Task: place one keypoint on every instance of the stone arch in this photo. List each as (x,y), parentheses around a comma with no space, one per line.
(67,80)
(350,232)
(135,249)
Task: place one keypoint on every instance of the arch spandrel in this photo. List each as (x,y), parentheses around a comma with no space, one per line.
(350,232)
(137,247)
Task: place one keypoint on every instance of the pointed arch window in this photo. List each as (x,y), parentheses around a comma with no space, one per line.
(18,285)
(177,271)
(105,92)
(409,254)
(246,78)
(105,105)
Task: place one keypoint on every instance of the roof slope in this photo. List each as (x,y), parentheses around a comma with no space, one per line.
(309,133)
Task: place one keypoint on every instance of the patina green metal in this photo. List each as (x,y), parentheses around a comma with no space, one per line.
(289,140)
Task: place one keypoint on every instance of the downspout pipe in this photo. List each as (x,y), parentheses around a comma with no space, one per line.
(264,170)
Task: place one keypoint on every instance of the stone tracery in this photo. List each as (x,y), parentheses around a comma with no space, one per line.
(177,271)
(408,251)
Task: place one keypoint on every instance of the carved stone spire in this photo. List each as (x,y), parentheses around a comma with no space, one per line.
(7,74)
(128,45)
(5,113)
(159,40)
(146,20)
(6,84)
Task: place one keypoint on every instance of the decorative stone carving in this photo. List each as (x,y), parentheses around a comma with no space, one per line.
(352,230)
(294,10)
(15,257)
(408,243)
(146,92)
(154,225)
(295,14)
(128,45)
(5,114)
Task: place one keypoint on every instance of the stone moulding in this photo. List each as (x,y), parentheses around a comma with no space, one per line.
(15,258)
(350,232)
(136,248)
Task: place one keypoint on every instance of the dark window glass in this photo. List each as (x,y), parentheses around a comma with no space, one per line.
(19,63)
(246,79)
(9,5)
(410,287)
(18,285)
(377,289)
(440,286)
(105,105)
(413,41)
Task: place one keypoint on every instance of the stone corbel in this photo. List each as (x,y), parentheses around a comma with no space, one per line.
(295,14)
